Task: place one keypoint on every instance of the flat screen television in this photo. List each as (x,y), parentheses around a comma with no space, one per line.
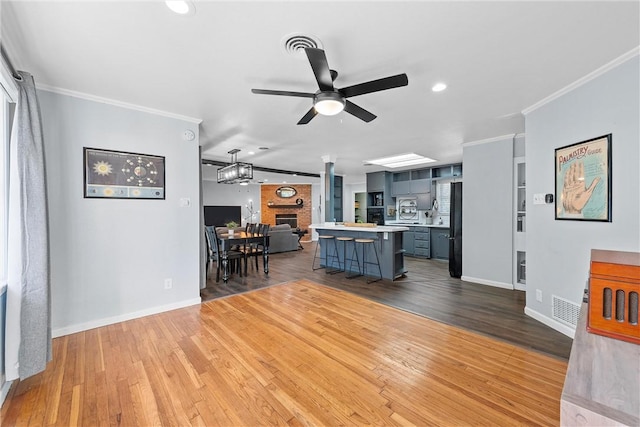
(218,216)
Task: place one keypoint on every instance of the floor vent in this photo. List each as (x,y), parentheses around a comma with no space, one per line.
(565,310)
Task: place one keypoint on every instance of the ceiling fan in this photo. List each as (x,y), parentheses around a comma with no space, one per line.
(329,100)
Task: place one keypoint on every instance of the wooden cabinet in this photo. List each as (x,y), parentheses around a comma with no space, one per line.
(408,238)
(400,188)
(422,242)
(614,286)
(376,182)
(440,243)
(417,242)
(404,183)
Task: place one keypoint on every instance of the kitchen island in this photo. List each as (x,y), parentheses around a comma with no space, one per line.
(388,242)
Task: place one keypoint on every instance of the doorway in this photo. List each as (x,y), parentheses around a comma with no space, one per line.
(360,207)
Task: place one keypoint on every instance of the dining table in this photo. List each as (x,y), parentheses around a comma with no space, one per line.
(227,241)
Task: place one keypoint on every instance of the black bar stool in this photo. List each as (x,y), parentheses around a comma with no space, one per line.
(345,240)
(327,255)
(369,243)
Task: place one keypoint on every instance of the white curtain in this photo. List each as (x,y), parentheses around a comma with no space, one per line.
(28,335)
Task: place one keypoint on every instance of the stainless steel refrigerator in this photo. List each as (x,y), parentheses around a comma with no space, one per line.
(455,231)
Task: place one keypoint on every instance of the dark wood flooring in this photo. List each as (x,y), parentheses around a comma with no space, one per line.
(428,290)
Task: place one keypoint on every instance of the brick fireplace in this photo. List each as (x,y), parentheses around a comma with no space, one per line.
(288,218)
(286,209)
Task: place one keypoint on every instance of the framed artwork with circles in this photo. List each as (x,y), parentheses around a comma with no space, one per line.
(120,175)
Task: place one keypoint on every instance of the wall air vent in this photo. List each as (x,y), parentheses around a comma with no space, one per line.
(565,311)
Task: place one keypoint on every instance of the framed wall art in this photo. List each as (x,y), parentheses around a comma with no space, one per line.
(583,180)
(120,175)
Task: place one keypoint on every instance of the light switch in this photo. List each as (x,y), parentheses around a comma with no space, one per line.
(538,199)
(185,202)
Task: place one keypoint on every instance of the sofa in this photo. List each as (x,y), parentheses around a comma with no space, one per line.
(282,239)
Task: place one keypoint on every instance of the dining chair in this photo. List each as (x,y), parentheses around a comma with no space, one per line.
(209,234)
(234,257)
(256,249)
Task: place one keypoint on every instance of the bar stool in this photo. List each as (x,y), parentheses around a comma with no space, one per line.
(345,240)
(327,255)
(364,244)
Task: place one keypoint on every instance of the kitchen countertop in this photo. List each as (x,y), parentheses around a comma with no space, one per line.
(392,223)
(377,229)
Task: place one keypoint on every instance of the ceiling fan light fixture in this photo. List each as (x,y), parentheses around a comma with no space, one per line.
(329,103)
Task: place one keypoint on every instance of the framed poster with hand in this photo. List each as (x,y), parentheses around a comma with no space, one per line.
(583,180)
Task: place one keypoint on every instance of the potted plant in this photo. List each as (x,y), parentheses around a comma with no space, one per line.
(231,225)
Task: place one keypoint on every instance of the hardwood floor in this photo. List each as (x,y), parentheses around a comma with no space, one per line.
(428,290)
(295,354)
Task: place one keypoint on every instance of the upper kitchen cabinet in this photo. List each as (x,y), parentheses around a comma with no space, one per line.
(401,184)
(411,183)
(448,171)
(376,182)
(418,181)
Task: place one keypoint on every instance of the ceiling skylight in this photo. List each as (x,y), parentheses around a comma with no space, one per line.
(401,160)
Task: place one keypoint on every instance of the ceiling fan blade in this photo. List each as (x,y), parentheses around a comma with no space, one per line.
(307,117)
(359,112)
(320,66)
(375,85)
(282,93)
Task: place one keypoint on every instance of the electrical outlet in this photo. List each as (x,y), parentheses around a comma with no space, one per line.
(168,283)
(538,295)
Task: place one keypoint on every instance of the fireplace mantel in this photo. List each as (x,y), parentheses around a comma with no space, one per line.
(284,206)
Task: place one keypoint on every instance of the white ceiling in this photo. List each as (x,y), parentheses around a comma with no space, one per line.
(497,58)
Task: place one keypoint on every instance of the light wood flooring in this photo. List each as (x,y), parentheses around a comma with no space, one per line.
(427,290)
(296,354)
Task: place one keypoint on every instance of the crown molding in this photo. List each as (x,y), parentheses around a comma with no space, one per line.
(113,102)
(510,136)
(594,74)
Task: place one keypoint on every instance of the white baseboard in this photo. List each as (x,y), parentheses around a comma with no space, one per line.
(554,324)
(4,391)
(487,282)
(79,327)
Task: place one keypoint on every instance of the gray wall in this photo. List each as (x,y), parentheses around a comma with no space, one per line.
(214,194)
(487,212)
(558,252)
(110,258)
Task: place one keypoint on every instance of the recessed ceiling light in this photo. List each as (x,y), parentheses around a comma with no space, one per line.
(181,7)
(401,160)
(252,152)
(439,87)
